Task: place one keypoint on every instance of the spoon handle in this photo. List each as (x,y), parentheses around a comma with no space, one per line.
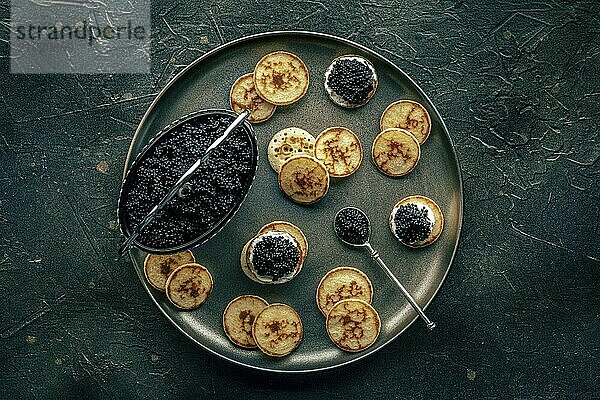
(375,256)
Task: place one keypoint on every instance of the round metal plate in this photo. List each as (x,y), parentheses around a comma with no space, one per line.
(205,84)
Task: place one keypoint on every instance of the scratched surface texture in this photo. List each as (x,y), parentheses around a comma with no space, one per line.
(518,85)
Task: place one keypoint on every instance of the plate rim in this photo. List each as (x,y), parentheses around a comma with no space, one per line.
(313,34)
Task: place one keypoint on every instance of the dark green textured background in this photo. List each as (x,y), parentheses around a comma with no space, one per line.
(518,86)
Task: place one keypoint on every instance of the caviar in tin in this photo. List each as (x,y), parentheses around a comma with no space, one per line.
(214,190)
(352,226)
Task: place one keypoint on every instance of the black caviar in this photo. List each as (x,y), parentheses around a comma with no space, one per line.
(352,80)
(412,223)
(275,256)
(214,190)
(352,226)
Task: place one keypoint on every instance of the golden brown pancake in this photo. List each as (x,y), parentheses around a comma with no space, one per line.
(304,179)
(340,284)
(281,78)
(157,267)
(396,152)
(353,325)
(287,143)
(277,330)
(409,115)
(339,149)
(243,96)
(189,286)
(238,318)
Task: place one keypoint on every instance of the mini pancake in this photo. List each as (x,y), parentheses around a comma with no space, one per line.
(244,261)
(189,286)
(238,318)
(396,152)
(434,213)
(340,284)
(283,226)
(287,143)
(304,179)
(277,330)
(353,325)
(339,149)
(243,96)
(409,115)
(281,78)
(157,267)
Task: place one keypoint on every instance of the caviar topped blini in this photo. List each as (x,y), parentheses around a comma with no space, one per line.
(416,221)
(288,227)
(350,81)
(274,257)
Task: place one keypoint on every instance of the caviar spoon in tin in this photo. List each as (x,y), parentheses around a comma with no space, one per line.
(352,226)
(177,187)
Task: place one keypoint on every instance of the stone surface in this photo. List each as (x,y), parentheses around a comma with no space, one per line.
(518,86)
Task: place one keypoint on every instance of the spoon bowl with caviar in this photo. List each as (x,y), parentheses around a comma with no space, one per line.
(352,226)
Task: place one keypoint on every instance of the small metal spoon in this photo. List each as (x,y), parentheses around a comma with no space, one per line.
(375,256)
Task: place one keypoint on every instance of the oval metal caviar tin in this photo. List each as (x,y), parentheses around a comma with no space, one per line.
(203,231)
